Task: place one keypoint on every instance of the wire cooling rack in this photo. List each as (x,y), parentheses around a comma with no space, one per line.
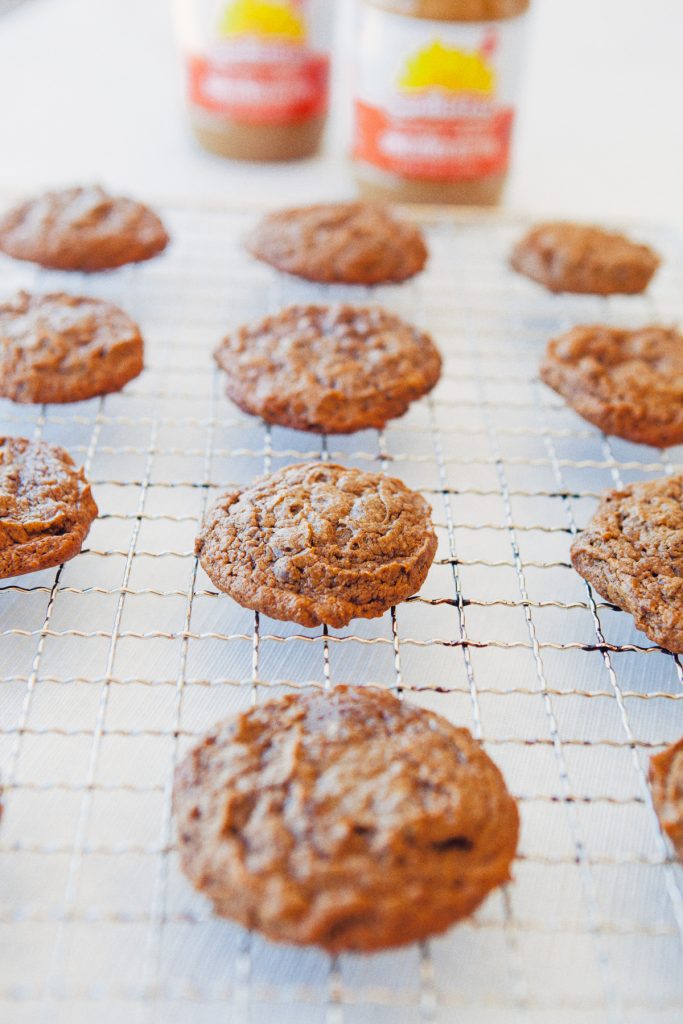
(114,663)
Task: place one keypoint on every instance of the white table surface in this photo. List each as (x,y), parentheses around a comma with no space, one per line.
(92,90)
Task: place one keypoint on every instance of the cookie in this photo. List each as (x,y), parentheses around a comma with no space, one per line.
(332,369)
(343,243)
(61,348)
(317,543)
(666,780)
(81,229)
(579,258)
(632,553)
(628,383)
(46,507)
(349,820)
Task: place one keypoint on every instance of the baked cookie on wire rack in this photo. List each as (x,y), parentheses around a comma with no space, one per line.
(627,383)
(632,553)
(328,369)
(318,543)
(666,780)
(340,243)
(348,820)
(81,228)
(46,507)
(63,348)
(581,258)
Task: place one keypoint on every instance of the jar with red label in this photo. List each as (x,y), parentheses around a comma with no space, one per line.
(436,88)
(257,74)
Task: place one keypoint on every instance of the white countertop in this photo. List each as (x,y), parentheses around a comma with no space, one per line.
(92,90)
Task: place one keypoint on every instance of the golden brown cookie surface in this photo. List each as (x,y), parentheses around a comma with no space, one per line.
(318,543)
(344,243)
(63,348)
(632,553)
(628,383)
(349,820)
(666,779)
(46,507)
(334,369)
(81,228)
(581,258)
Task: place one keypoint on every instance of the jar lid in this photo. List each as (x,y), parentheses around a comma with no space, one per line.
(455,10)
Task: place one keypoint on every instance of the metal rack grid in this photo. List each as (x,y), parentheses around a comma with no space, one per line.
(113,663)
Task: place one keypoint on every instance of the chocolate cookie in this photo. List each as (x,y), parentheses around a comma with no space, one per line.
(348,820)
(628,383)
(666,779)
(632,553)
(317,543)
(333,369)
(46,507)
(60,348)
(81,229)
(343,243)
(583,259)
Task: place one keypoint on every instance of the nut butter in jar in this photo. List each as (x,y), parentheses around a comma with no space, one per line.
(437,82)
(257,75)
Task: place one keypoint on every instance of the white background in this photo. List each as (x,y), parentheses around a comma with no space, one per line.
(92,90)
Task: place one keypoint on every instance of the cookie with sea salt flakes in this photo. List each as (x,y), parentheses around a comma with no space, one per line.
(318,543)
(46,507)
(343,243)
(348,820)
(581,258)
(64,348)
(82,228)
(333,369)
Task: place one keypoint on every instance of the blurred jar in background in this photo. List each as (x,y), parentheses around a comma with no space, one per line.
(435,95)
(257,74)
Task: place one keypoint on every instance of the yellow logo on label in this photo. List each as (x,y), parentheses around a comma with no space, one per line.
(440,67)
(262,18)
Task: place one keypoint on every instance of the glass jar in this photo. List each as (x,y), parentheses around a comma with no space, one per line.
(436,87)
(257,75)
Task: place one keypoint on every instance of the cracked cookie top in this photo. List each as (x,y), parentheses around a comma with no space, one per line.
(46,507)
(581,258)
(632,553)
(628,383)
(349,819)
(64,348)
(318,543)
(81,228)
(343,243)
(333,369)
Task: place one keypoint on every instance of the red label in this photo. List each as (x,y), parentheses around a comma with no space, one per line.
(432,148)
(261,92)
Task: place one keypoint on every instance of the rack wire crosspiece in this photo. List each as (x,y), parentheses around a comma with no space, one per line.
(114,663)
